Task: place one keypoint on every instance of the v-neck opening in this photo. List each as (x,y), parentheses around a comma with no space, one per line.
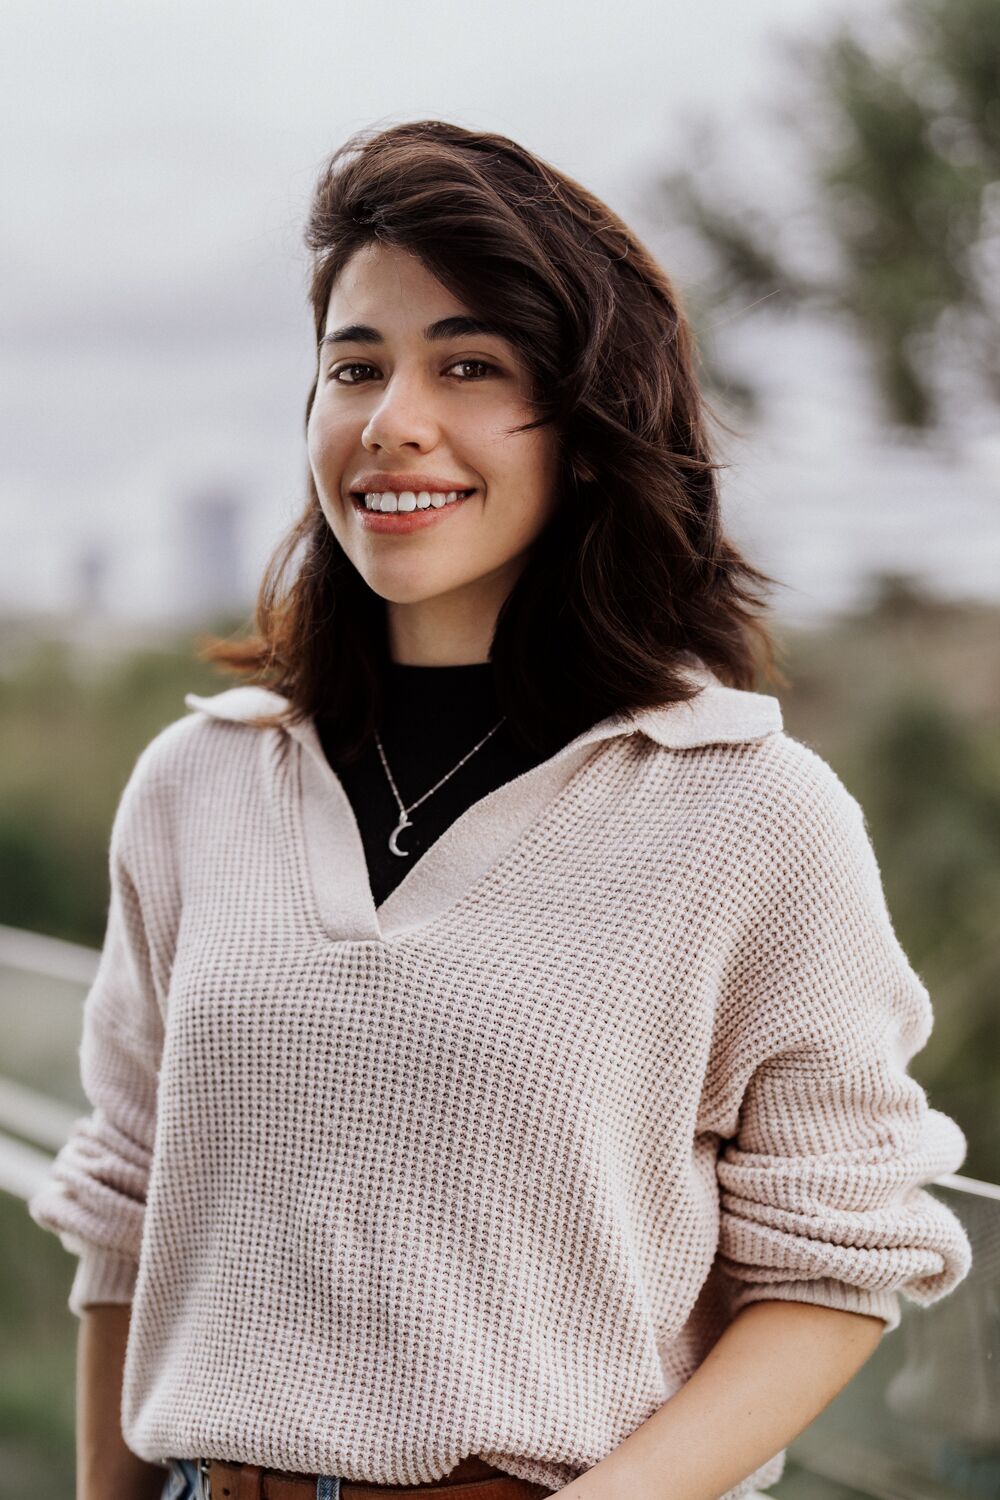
(335,866)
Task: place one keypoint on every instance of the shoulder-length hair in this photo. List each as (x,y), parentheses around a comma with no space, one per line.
(633,575)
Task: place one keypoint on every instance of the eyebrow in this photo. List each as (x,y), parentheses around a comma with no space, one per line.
(444,328)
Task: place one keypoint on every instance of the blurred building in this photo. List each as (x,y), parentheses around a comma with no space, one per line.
(91,571)
(209,553)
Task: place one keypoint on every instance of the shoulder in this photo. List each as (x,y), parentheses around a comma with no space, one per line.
(810,857)
(806,825)
(196,748)
(230,716)
(727,751)
(801,787)
(730,750)
(738,738)
(778,819)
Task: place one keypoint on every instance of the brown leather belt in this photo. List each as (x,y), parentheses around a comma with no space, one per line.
(472,1479)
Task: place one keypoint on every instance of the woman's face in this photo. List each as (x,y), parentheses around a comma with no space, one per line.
(404,407)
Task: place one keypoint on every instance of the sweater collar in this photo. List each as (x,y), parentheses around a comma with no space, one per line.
(717,715)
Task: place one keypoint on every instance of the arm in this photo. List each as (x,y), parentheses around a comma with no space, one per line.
(94,1196)
(775,1368)
(95,1193)
(104,1465)
(826,1144)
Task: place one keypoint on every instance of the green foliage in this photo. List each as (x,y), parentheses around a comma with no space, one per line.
(71,728)
(902,702)
(902,153)
(37,1396)
(936,801)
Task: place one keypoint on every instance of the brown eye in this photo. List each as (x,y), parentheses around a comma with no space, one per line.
(480,364)
(335,374)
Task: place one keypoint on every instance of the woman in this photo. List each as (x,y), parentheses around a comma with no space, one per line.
(498,1053)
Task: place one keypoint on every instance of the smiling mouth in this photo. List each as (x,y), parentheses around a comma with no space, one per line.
(408,501)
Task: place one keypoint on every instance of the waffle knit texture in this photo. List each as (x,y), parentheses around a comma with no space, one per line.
(488,1168)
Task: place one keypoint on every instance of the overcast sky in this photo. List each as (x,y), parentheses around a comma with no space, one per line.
(159,136)
(158,157)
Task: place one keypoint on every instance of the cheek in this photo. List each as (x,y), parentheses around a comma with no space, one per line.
(327,444)
(314,441)
(539,473)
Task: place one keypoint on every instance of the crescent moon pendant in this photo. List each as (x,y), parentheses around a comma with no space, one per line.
(404,822)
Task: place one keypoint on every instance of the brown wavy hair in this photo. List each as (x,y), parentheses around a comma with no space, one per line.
(633,575)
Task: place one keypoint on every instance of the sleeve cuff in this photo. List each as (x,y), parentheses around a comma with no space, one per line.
(839,1295)
(102,1276)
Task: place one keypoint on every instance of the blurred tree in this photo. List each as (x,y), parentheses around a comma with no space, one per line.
(901,148)
(71,729)
(933,795)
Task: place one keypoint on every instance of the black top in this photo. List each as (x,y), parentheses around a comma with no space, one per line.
(433,717)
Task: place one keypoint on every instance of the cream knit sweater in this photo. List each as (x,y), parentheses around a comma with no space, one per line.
(487,1169)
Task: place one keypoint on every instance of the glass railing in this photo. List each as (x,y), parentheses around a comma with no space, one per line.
(920,1420)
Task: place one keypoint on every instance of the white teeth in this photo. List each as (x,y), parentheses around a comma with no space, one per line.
(408,500)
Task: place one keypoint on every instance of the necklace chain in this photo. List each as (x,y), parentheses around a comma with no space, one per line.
(404,819)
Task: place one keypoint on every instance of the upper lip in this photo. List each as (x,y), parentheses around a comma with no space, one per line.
(398,483)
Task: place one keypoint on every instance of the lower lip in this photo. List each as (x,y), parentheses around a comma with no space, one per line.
(401,522)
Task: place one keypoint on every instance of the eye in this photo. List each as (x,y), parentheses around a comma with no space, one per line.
(335,374)
(480,364)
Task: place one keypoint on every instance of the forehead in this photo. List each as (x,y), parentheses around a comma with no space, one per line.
(391,283)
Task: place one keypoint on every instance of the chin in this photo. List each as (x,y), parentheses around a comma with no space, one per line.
(403,588)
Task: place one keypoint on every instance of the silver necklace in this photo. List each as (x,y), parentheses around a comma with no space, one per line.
(404,820)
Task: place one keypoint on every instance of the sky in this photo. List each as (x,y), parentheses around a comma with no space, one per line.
(157,163)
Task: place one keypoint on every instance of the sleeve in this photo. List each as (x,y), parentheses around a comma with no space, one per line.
(94,1195)
(822,1189)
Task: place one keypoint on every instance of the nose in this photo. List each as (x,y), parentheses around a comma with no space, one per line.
(403,416)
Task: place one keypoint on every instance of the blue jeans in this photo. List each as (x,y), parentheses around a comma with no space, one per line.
(184,1483)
